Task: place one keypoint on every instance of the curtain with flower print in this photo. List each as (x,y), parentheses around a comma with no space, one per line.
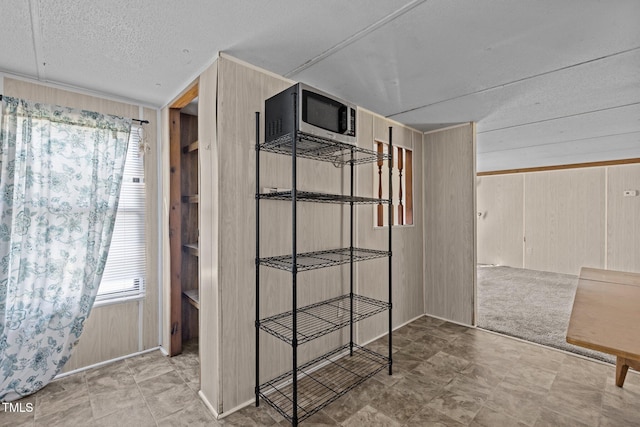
(60,176)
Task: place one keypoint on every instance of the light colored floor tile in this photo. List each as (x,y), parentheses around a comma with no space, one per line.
(457,406)
(149,365)
(77,415)
(170,401)
(576,401)
(107,402)
(136,414)
(370,417)
(60,395)
(487,417)
(430,417)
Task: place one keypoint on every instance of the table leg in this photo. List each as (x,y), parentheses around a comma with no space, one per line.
(622,366)
(621,370)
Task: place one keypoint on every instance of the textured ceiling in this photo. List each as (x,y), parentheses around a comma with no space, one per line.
(548,82)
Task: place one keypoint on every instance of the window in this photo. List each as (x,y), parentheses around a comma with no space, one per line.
(124,273)
(402,183)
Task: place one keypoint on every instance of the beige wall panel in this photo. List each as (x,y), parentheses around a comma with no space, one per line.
(565,220)
(209,205)
(241,92)
(449,216)
(151,316)
(407,281)
(166,253)
(110,331)
(49,95)
(623,219)
(380,128)
(500,219)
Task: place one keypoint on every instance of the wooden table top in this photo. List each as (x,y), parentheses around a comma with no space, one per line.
(606,312)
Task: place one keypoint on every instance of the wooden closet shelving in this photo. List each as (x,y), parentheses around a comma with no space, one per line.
(183,220)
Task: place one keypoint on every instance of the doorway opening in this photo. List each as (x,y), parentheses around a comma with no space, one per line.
(184,225)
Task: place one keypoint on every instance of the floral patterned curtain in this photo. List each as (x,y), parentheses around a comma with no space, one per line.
(60,176)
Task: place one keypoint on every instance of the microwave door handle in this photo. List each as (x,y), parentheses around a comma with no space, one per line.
(344,119)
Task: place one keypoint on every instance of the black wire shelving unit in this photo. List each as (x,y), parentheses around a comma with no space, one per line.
(311,386)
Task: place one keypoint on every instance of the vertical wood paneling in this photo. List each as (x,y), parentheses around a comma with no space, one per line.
(565,220)
(500,219)
(623,219)
(166,248)
(151,320)
(407,240)
(241,92)
(209,205)
(450,215)
(111,330)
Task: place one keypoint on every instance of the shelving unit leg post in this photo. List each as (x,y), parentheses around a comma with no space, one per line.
(351,165)
(390,221)
(257,323)
(294,261)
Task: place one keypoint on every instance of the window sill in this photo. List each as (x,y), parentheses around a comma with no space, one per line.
(119,300)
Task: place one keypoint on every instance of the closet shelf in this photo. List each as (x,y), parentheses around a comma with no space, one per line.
(322,149)
(193,297)
(191,147)
(308,196)
(320,386)
(316,320)
(321,259)
(191,248)
(193,198)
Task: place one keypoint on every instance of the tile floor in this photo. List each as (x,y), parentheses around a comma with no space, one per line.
(444,375)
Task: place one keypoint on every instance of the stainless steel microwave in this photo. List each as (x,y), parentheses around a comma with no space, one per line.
(310,111)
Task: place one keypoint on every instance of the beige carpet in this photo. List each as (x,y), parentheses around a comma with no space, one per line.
(528,304)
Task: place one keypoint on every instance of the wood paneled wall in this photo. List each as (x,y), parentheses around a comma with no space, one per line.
(449,223)
(500,220)
(623,219)
(564,220)
(209,204)
(113,330)
(571,218)
(407,272)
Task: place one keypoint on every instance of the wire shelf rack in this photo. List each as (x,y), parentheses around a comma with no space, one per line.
(322,318)
(326,150)
(322,381)
(308,196)
(321,259)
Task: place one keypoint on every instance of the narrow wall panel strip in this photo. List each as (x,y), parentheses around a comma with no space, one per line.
(449,233)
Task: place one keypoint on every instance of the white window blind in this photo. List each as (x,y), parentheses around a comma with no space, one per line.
(124,273)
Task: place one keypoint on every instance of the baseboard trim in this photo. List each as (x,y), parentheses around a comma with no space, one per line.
(208,405)
(106,362)
(449,320)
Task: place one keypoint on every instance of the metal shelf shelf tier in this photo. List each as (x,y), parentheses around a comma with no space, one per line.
(322,149)
(322,318)
(318,388)
(322,259)
(308,196)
